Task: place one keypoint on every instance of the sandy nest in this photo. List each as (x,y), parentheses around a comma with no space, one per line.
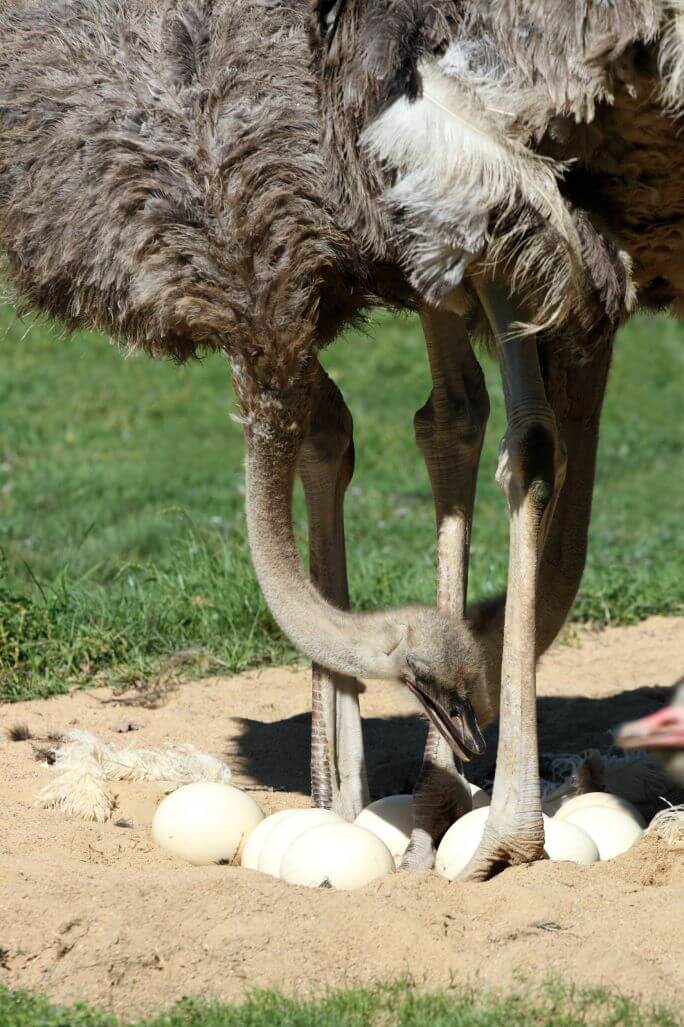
(97,913)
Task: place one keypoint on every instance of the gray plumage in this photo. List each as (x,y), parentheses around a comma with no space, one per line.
(160,178)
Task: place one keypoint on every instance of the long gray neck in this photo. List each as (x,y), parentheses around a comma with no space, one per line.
(361,645)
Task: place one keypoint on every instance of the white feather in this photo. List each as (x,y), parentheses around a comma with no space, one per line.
(84,764)
(456,158)
(668,825)
(671,56)
(79,789)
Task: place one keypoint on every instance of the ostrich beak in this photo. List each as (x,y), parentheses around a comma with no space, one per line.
(459,728)
(661,730)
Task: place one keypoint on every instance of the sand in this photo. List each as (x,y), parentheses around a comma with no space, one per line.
(96,913)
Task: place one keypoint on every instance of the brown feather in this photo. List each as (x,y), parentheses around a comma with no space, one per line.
(161,180)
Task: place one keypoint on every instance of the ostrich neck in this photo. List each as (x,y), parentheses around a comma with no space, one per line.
(354,644)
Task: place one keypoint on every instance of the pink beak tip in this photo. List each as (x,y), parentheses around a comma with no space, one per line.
(663,729)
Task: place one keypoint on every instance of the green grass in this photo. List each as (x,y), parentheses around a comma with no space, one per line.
(122,536)
(400,1005)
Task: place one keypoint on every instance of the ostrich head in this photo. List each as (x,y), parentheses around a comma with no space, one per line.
(663,733)
(161,179)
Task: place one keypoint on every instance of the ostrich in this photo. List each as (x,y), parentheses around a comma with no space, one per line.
(518,159)
(154,184)
(162,179)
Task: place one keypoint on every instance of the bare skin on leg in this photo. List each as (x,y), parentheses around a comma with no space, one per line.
(575,392)
(531,472)
(326,466)
(450,432)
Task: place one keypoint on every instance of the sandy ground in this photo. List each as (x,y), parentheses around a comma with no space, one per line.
(97,913)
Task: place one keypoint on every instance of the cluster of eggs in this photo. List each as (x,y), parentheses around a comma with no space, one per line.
(317,848)
(209,823)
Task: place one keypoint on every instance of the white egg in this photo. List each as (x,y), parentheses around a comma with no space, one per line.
(481,798)
(566,842)
(284,833)
(460,843)
(391,819)
(205,822)
(599,799)
(343,856)
(613,830)
(257,839)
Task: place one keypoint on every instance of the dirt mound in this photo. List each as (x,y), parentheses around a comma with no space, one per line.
(97,913)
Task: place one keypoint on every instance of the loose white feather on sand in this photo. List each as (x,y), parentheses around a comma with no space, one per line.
(668,825)
(84,764)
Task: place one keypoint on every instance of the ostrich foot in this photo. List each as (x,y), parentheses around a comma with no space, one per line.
(505,844)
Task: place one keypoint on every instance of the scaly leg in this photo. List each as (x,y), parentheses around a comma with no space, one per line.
(450,431)
(531,472)
(326,465)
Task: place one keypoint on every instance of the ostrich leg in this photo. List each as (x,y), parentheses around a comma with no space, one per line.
(449,433)
(531,472)
(575,392)
(326,465)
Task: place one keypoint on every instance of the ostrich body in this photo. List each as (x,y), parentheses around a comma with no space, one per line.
(519,160)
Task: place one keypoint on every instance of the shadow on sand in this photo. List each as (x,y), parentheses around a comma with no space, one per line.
(276,755)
